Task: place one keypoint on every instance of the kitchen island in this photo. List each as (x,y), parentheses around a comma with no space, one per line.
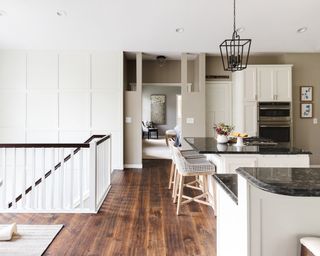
(228,157)
(265,211)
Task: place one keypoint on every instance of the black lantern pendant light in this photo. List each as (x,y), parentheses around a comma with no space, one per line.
(235,51)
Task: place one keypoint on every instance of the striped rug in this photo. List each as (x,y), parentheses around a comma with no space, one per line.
(30,240)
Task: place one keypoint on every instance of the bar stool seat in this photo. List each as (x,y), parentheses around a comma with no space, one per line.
(310,246)
(191,154)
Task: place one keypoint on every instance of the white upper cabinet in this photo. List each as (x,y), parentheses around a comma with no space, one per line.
(250,84)
(283,84)
(265,83)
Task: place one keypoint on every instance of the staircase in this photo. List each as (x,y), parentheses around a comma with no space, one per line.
(64,177)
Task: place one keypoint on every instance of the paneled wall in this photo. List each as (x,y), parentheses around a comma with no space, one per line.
(49,96)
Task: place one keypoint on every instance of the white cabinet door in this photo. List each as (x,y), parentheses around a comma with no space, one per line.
(218,105)
(265,83)
(250,118)
(283,83)
(250,84)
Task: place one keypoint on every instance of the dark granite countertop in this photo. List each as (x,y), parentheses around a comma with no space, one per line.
(284,181)
(229,182)
(206,145)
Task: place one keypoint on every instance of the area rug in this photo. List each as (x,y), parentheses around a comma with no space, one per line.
(31,240)
(155,149)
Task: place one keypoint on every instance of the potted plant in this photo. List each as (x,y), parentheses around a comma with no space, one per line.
(223,130)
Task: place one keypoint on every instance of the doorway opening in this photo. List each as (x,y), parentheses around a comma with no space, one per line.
(161,104)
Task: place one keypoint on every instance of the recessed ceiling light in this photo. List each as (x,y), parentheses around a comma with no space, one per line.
(241,29)
(302,30)
(3,13)
(61,13)
(179,30)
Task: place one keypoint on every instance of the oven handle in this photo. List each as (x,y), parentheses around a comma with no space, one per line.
(274,108)
(274,125)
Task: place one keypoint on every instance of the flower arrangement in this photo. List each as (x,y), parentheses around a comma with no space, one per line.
(223,129)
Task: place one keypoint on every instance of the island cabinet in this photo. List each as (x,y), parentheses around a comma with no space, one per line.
(265,211)
(258,83)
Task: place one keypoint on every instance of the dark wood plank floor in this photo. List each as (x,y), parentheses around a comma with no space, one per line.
(137,218)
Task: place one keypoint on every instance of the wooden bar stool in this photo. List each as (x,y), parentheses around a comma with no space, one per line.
(190,154)
(195,168)
(310,246)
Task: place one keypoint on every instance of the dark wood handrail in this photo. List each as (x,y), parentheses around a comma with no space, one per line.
(103,139)
(57,166)
(51,145)
(45,145)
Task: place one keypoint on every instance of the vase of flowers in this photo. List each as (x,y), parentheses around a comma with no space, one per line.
(223,130)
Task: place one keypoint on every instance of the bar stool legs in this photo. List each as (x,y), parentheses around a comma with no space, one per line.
(180,193)
(204,198)
(175,186)
(173,167)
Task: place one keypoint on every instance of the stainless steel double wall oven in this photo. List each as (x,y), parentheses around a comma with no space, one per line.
(275,121)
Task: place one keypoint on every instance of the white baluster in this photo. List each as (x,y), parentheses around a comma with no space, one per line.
(43,179)
(104,166)
(71,177)
(61,173)
(24,175)
(81,177)
(34,200)
(4,182)
(110,160)
(14,180)
(53,173)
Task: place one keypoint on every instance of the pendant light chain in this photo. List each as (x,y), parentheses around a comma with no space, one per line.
(234,15)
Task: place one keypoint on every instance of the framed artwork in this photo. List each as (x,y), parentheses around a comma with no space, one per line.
(306,110)
(158,109)
(306,93)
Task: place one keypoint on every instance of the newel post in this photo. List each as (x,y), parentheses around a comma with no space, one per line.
(93,175)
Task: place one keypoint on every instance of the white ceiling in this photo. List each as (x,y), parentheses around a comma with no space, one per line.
(149,25)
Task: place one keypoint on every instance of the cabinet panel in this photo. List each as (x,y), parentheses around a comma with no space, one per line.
(283,84)
(250,84)
(218,105)
(265,84)
(250,118)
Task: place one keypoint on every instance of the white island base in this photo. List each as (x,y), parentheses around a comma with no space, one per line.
(228,163)
(264,223)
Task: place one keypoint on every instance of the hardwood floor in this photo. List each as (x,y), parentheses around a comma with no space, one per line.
(137,218)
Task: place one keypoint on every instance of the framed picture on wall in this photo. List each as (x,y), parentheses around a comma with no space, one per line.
(306,110)
(306,93)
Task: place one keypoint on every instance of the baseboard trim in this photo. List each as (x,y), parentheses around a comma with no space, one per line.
(315,166)
(134,166)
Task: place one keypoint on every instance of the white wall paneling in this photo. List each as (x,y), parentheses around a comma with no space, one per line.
(42,110)
(42,70)
(52,96)
(74,70)
(13,69)
(13,109)
(74,110)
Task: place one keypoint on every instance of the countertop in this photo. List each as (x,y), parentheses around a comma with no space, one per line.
(206,145)
(285,181)
(229,182)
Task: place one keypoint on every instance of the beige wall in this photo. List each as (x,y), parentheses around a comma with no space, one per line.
(132,131)
(306,71)
(193,103)
(169,73)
